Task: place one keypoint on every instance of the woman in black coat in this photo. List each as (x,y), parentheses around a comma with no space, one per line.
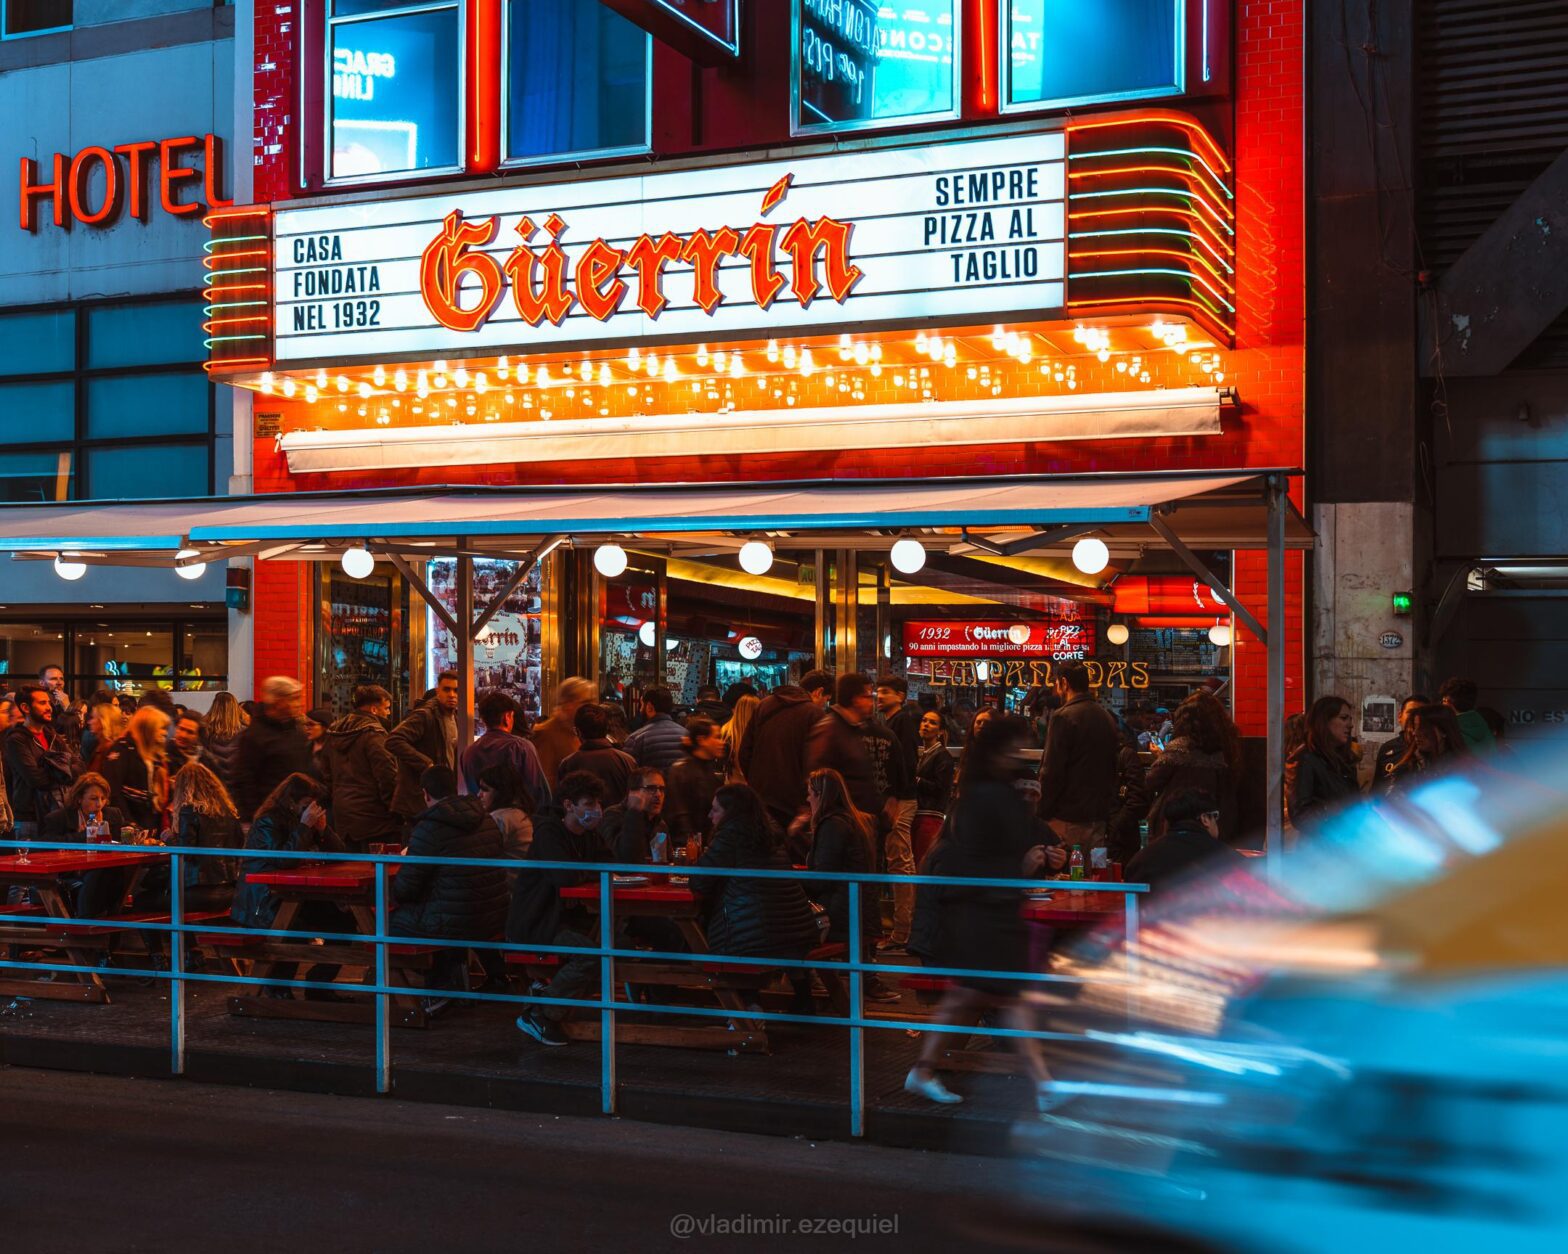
(1321,775)
(1204,753)
(769,917)
(992,835)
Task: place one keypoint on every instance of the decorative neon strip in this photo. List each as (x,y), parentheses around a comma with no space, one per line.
(1164,118)
(1156,230)
(244,211)
(229,322)
(235,304)
(1158,191)
(1219,242)
(220,339)
(216,262)
(1141,304)
(1160,270)
(1152,252)
(1196,184)
(1135,152)
(229,239)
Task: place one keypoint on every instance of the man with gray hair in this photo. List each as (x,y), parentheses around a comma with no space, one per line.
(273,747)
(555,739)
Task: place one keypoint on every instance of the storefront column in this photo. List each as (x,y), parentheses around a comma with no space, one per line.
(465,649)
(1274,818)
(846,606)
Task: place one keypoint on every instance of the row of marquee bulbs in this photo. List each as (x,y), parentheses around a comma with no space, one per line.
(71,570)
(1219,634)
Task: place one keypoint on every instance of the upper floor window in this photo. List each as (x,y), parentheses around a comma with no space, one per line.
(860,63)
(395,92)
(1065,52)
(33,17)
(577,76)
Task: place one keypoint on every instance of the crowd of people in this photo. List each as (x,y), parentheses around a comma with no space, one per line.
(838,773)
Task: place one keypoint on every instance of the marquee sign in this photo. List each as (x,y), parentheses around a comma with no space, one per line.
(1065,640)
(968,231)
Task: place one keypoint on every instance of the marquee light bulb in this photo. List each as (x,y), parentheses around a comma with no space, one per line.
(364,391)
(503,367)
(69,570)
(604,374)
(481,384)
(702,354)
(609,560)
(321,379)
(400,380)
(342,381)
(522,372)
(1117,633)
(671,373)
(756,558)
(193,570)
(908,556)
(585,372)
(358,562)
(1091,556)
(379,375)
(311,394)
(773,351)
(289,388)
(266,382)
(543,377)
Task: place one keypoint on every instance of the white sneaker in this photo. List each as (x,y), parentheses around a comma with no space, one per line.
(931,1089)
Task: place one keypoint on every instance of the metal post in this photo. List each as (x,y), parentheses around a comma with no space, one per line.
(465,652)
(176,967)
(383,1002)
(824,619)
(857,1036)
(1274,819)
(606,995)
(846,593)
(1130,945)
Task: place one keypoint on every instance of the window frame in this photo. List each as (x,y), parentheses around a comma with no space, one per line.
(581,154)
(328,110)
(1004,60)
(799,128)
(75,621)
(31,34)
(80,444)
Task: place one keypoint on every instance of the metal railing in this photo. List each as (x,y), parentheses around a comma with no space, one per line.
(852,965)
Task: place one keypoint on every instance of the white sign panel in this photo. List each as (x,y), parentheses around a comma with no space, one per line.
(968,231)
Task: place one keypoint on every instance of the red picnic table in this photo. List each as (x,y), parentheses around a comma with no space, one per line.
(351,886)
(1067,907)
(41,873)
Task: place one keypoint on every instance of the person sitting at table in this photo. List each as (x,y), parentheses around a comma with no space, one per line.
(203,815)
(566,830)
(98,893)
(450,900)
(136,766)
(596,755)
(360,773)
(743,916)
(631,828)
(694,780)
(507,800)
(292,817)
(992,835)
(1190,844)
(841,842)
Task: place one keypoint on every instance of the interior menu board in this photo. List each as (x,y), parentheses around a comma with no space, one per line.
(838,43)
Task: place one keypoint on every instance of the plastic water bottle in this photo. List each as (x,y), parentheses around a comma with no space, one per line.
(1075,863)
(659,850)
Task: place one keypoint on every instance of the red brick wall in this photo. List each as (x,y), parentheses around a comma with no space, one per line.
(1267,366)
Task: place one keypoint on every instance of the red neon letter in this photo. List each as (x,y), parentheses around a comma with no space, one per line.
(553,298)
(803,241)
(31,190)
(173,172)
(703,250)
(766,281)
(135,158)
(444,262)
(78,189)
(212,170)
(649,257)
(600,264)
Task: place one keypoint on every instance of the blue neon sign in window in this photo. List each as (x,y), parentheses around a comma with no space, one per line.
(1064,52)
(866,63)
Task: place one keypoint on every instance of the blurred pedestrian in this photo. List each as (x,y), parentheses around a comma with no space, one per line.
(774,748)
(596,755)
(1435,742)
(220,737)
(1078,783)
(734,732)
(555,738)
(273,746)
(693,782)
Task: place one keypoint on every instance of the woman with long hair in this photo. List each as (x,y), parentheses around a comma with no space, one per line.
(136,766)
(693,781)
(992,835)
(293,816)
(842,842)
(934,770)
(734,731)
(203,815)
(1434,741)
(106,723)
(220,737)
(1321,774)
(506,799)
(1203,753)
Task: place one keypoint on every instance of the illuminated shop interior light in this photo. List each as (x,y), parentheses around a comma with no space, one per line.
(358,562)
(756,558)
(609,560)
(908,556)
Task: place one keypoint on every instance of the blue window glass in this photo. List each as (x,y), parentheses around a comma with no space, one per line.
(153,404)
(148,471)
(37,343)
(32,477)
(31,413)
(395,91)
(154,334)
(1066,52)
(861,63)
(577,79)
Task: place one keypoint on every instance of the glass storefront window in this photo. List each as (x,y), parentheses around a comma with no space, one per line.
(37,343)
(361,636)
(395,89)
(34,477)
(509,653)
(1064,52)
(160,334)
(127,406)
(577,80)
(204,657)
(859,63)
(33,17)
(31,413)
(149,470)
(122,655)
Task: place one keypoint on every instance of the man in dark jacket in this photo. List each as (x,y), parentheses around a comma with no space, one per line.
(426,738)
(359,773)
(1078,780)
(660,740)
(596,755)
(902,722)
(65,721)
(501,745)
(1395,748)
(631,829)
(566,831)
(838,743)
(273,746)
(709,706)
(773,752)
(694,780)
(39,763)
(450,901)
(1191,843)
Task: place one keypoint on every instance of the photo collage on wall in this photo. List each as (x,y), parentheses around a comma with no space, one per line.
(508,653)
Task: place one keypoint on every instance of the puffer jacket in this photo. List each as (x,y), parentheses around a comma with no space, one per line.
(537,912)
(837,846)
(451,900)
(766,917)
(221,755)
(208,831)
(773,752)
(657,743)
(254,904)
(361,778)
(838,743)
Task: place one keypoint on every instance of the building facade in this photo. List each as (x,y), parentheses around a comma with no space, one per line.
(118,117)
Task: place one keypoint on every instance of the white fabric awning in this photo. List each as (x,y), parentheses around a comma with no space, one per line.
(1226,508)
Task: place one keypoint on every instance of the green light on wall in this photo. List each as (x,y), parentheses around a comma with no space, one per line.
(1401,604)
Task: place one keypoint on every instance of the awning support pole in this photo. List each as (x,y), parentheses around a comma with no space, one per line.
(515,580)
(1274,820)
(1027,544)
(406,569)
(465,654)
(1215,583)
